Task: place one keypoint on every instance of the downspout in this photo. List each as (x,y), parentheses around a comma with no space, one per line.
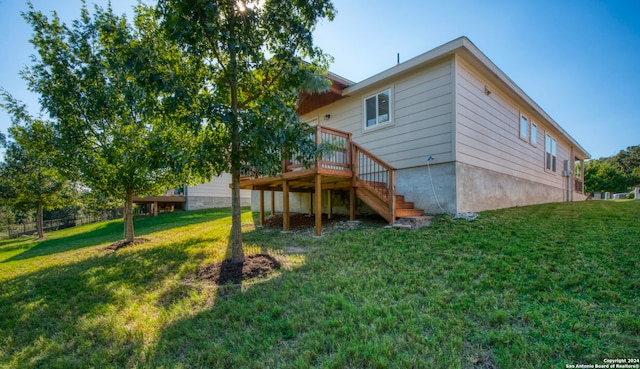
(567,175)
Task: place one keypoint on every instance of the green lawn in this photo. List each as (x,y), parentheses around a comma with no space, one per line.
(529,287)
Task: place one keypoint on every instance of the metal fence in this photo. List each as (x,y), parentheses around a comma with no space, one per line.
(29,228)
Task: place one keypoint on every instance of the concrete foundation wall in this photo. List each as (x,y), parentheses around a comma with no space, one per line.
(481,189)
(415,185)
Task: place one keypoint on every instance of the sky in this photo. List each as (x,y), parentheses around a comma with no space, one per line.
(577,59)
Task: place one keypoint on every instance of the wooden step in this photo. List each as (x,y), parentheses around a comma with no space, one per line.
(404,205)
(399,198)
(401,213)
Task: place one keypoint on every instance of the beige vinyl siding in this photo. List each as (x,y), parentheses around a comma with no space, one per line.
(488,132)
(217,187)
(422,118)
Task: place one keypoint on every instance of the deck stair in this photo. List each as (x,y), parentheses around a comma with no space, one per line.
(406,209)
(374,182)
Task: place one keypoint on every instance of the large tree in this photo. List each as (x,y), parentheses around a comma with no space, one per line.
(29,177)
(629,161)
(99,80)
(604,176)
(259,55)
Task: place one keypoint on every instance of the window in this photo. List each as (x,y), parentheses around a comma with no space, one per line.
(377,109)
(534,134)
(524,128)
(550,157)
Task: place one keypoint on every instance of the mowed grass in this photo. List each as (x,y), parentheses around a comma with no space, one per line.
(531,287)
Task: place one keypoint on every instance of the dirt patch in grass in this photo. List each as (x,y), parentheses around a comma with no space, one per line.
(484,363)
(227,271)
(123,243)
(301,223)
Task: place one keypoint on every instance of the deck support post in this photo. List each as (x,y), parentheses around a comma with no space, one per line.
(318,205)
(352,203)
(330,204)
(155,208)
(285,207)
(261,207)
(273,202)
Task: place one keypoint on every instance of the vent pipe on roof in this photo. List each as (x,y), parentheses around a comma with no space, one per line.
(398,58)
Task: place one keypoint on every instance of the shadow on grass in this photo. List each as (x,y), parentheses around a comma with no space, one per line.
(63,316)
(112,231)
(17,244)
(249,323)
(12,241)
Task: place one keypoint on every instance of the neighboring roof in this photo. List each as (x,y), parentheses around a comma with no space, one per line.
(464,47)
(310,102)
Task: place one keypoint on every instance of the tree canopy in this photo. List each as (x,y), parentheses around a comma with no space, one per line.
(617,173)
(257,56)
(29,176)
(100,81)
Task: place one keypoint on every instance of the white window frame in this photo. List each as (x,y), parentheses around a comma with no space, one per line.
(533,133)
(550,153)
(378,123)
(524,135)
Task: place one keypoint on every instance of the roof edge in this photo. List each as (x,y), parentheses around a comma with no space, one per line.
(479,55)
(451,48)
(415,62)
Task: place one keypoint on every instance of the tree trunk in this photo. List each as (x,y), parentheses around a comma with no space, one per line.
(128,217)
(39,221)
(237,253)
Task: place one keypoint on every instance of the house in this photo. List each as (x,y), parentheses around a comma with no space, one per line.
(213,194)
(444,132)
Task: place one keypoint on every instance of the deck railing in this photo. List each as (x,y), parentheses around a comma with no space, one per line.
(339,153)
(376,174)
(334,154)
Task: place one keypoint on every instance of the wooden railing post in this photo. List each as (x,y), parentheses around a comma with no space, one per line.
(354,162)
(349,148)
(318,142)
(354,174)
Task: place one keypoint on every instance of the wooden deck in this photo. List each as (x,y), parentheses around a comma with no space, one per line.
(345,167)
(167,202)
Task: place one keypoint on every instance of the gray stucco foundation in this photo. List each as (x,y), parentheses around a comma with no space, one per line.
(416,186)
(481,189)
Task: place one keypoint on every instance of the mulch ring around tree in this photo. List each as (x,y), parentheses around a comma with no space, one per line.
(123,243)
(227,271)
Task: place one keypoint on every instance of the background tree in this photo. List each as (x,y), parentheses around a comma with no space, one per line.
(98,79)
(629,161)
(604,176)
(616,173)
(29,178)
(253,52)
